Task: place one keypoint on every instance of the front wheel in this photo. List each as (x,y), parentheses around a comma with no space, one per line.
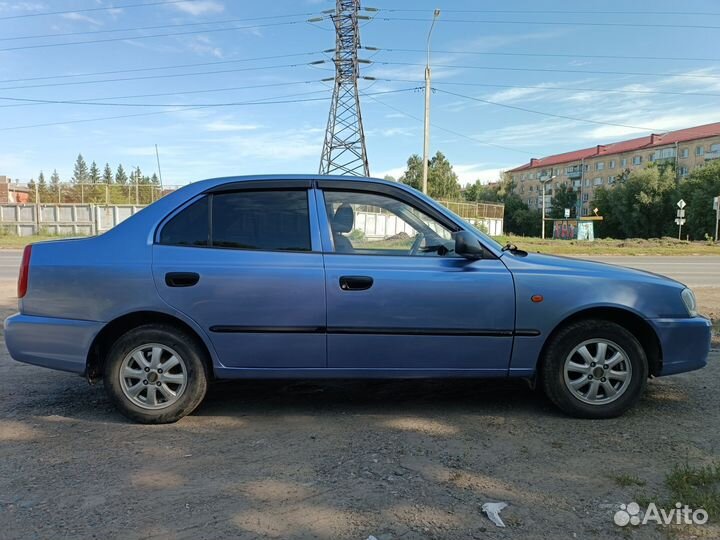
(156,374)
(594,369)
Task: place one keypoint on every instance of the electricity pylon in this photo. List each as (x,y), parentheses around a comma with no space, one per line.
(344,147)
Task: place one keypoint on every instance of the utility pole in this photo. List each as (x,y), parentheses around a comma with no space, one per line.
(157,156)
(344,146)
(426,138)
(716,206)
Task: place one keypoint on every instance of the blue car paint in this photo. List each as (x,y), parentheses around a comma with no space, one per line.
(424,316)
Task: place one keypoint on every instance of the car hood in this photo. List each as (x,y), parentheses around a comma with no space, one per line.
(559,265)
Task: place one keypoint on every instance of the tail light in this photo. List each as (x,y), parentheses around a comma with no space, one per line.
(24,272)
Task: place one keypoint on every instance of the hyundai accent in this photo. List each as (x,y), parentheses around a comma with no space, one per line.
(331,277)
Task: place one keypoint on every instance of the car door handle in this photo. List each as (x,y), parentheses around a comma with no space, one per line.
(181,279)
(356,283)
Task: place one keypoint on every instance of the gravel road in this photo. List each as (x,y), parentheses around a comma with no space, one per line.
(336,460)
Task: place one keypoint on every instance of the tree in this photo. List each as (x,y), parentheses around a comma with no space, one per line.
(389,178)
(42,189)
(120,176)
(565,197)
(442,180)
(642,204)
(94,174)
(31,188)
(519,219)
(55,185)
(478,192)
(80,171)
(107,177)
(698,192)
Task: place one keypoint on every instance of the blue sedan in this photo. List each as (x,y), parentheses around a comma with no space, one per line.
(316,277)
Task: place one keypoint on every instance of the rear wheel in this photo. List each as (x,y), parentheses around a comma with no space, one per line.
(594,369)
(156,374)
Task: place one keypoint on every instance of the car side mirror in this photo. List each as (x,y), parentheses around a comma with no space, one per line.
(468,246)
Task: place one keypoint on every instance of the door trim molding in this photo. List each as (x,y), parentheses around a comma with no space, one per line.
(360,330)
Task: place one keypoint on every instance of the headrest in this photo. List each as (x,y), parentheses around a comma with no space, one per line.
(344,219)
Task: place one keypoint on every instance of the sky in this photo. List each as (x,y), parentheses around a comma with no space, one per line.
(511,80)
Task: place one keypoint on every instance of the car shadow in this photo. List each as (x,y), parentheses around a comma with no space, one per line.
(371,396)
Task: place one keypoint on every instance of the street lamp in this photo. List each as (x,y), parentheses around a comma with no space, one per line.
(544,183)
(426,145)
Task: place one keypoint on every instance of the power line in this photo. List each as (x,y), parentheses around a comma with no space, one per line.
(105,8)
(533,111)
(557,11)
(114,104)
(441,128)
(561,88)
(169,34)
(146,77)
(157,68)
(160,94)
(182,109)
(157,27)
(556,55)
(555,23)
(553,70)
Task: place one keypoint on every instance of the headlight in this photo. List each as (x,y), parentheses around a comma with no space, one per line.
(690,303)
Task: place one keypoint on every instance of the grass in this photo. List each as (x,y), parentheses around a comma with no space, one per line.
(608,246)
(626,480)
(698,487)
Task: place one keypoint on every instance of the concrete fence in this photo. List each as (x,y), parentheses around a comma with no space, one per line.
(89,219)
(62,219)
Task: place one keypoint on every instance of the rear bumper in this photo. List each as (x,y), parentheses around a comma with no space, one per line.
(61,344)
(685,343)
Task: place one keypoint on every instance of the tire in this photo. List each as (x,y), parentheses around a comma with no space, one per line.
(568,373)
(141,389)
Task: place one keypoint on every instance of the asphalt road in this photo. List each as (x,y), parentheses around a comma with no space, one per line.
(694,271)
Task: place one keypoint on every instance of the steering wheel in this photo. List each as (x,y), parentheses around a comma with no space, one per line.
(419,237)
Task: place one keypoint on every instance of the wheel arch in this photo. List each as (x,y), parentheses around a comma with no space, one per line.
(629,320)
(117,327)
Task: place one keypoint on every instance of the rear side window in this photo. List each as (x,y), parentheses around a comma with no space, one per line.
(190,227)
(262,220)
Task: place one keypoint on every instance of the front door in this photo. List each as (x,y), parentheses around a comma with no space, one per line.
(399,299)
(245,264)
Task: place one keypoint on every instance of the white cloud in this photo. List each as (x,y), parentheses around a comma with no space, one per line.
(199,7)
(203,45)
(80,17)
(223,125)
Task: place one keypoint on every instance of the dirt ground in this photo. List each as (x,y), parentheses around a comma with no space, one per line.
(336,460)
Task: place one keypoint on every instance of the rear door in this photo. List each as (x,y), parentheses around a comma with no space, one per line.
(398,297)
(244,262)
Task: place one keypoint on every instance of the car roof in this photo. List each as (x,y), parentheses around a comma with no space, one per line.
(291,177)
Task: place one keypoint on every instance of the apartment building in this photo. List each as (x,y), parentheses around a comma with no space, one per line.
(591,168)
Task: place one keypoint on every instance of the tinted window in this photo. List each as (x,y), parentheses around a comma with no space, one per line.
(266,220)
(189,227)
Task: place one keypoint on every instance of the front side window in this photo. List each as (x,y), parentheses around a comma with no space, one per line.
(699,150)
(368,223)
(637,160)
(255,220)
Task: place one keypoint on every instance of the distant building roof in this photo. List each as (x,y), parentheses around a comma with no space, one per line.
(641,143)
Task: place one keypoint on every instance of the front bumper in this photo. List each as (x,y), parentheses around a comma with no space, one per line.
(685,343)
(50,342)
